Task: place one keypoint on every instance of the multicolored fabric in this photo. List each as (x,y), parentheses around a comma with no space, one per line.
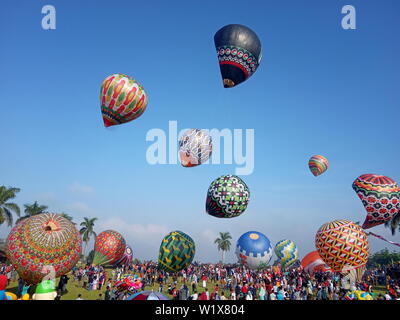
(147,295)
(318,165)
(343,245)
(122,99)
(287,252)
(195,147)
(380,196)
(109,247)
(312,262)
(254,250)
(126,258)
(177,251)
(44,240)
(227,197)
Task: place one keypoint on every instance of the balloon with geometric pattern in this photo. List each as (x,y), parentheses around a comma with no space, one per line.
(287,252)
(318,165)
(195,147)
(109,247)
(380,196)
(43,242)
(122,99)
(254,250)
(343,245)
(227,197)
(239,53)
(177,251)
(126,259)
(312,262)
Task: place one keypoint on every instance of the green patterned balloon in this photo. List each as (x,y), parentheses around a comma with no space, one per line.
(287,253)
(177,251)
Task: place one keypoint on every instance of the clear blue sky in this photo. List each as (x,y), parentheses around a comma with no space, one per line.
(319,90)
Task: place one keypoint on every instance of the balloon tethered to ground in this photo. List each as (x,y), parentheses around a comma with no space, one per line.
(239,53)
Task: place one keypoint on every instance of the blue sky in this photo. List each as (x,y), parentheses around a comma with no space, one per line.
(319,90)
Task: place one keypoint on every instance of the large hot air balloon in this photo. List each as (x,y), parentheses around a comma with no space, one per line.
(109,247)
(287,252)
(126,258)
(227,197)
(195,147)
(46,239)
(380,196)
(239,53)
(253,250)
(318,165)
(343,245)
(122,99)
(312,262)
(177,251)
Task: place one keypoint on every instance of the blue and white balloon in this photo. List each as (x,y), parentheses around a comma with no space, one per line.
(254,250)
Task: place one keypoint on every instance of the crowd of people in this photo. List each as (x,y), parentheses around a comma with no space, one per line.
(224,282)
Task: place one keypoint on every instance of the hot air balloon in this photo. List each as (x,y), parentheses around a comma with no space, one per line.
(312,262)
(227,197)
(239,53)
(287,252)
(46,239)
(122,99)
(318,165)
(380,196)
(126,258)
(177,251)
(253,250)
(109,247)
(343,245)
(195,147)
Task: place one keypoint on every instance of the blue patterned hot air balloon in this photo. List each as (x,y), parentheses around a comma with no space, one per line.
(287,252)
(253,249)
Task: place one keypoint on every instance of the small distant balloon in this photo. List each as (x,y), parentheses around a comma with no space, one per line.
(122,99)
(318,165)
(239,53)
(195,147)
(380,196)
(287,252)
(227,197)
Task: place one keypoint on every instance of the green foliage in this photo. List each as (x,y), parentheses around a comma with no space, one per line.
(32,210)
(383,258)
(8,208)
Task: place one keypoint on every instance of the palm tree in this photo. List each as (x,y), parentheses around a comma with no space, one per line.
(87,231)
(7,208)
(223,243)
(32,210)
(67,216)
(394,223)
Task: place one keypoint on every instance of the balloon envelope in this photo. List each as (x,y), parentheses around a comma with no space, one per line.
(343,245)
(254,250)
(312,262)
(318,165)
(109,247)
(195,147)
(287,252)
(177,251)
(227,197)
(239,53)
(122,99)
(126,258)
(380,196)
(44,240)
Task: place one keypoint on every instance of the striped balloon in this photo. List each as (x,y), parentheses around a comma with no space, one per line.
(318,165)
(122,99)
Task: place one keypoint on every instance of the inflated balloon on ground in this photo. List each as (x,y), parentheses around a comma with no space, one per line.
(343,245)
(46,239)
(254,250)
(126,258)
(380,196)
(195,147)
(227,197)
(312,262)
(318,165)
(109,247)
(287,252)
(122,99)
(177,251)
(239,53)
